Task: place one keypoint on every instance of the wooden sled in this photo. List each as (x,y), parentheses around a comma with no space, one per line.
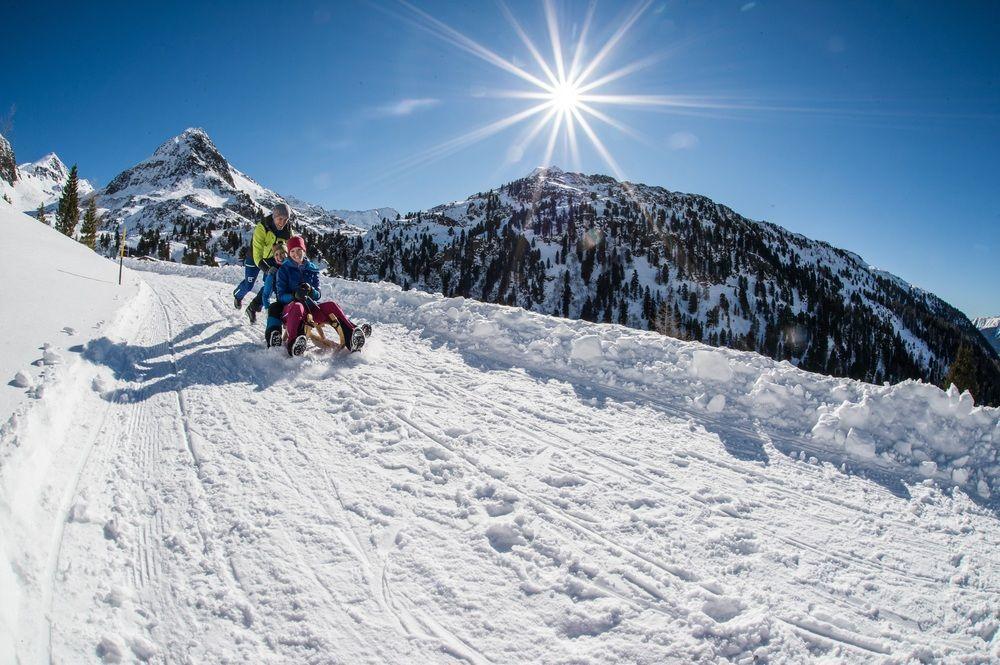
(315,332)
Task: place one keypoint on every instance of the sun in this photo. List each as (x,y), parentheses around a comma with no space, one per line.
(565,97)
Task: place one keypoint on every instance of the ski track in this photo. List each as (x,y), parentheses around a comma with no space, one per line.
(414,504)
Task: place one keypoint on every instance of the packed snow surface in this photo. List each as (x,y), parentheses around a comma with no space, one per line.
(483,484)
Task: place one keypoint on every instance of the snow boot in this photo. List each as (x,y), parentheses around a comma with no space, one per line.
(357,339)
(237,301)
(367,329)
(254,308)
(272,337)
(297,346)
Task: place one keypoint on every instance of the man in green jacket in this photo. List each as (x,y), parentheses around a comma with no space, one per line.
(268,231)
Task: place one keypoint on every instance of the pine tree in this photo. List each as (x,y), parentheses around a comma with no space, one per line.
(962,372)
(567,297)
(68,212)
(41,214)
(88,233)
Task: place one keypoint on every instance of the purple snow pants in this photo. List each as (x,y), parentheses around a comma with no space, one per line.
(295,313)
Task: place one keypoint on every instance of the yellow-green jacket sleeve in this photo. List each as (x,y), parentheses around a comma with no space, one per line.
(261,243)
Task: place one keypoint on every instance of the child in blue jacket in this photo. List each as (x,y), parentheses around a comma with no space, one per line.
(297,288)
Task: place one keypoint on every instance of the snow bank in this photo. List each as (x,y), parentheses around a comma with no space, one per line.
(52,281)
(912,429)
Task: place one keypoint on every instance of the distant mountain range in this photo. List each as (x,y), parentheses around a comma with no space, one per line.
(577,246)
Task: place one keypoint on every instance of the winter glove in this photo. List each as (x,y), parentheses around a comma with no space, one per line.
(303,292)
(267,265)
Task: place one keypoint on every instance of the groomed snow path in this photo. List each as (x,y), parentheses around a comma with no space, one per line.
(417,503)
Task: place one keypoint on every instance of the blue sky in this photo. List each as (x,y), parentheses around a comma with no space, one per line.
(873,126)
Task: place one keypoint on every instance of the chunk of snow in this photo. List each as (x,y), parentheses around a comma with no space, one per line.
(586,349)
(51,357)
(111,649)
(142,648)
(711,366)
(717,404)
(99,384)
(23,379)
(484,329)
(504,537)
(859,444)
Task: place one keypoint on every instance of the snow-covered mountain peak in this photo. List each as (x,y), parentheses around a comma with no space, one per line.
(554,176)
(191,155)
(191,140)
(545,171)
(49,166)
(186,201)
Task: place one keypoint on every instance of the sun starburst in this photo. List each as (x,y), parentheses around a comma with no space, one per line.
(564,92)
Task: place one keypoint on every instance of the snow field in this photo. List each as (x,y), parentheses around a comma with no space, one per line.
(430,501)
(481,484)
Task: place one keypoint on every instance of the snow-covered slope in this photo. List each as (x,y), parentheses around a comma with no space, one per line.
(187,201)
(591,247)
(59,297)
(42,305)
(990,327)
(485,484)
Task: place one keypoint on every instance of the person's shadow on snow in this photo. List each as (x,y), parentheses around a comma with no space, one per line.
(186,360)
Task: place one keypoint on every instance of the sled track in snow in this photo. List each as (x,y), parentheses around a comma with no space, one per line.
(631,473)
(408,620)
(335,602)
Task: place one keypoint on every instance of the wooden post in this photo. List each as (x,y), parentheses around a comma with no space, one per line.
(121,255)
